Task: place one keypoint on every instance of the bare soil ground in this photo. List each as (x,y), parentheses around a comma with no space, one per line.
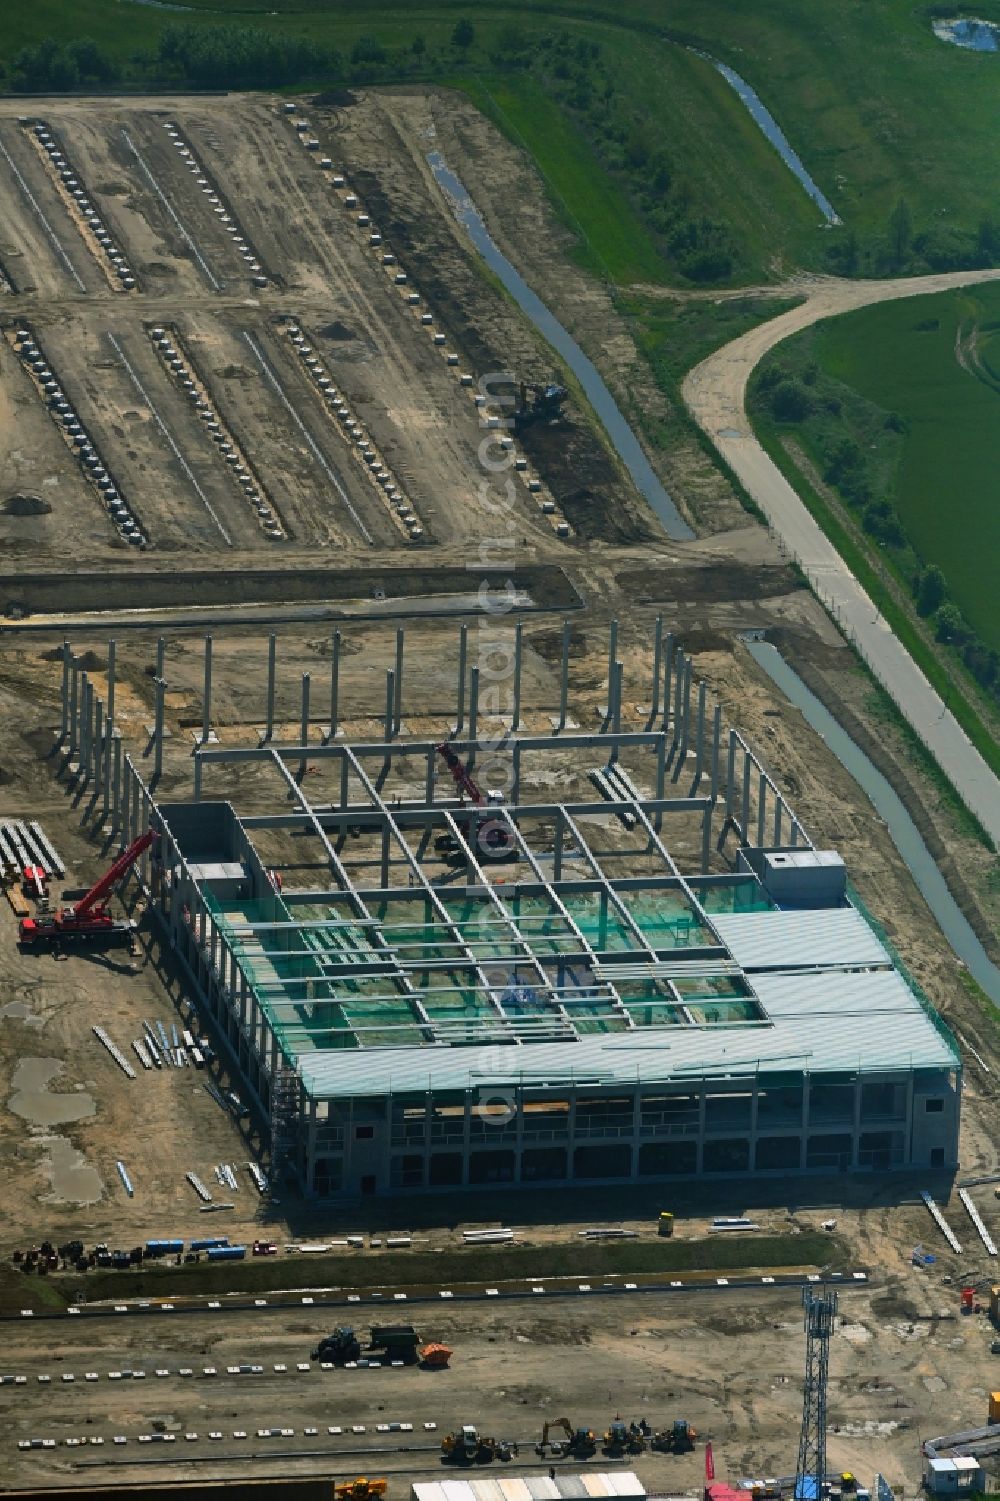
(730,1364)
(903,1366)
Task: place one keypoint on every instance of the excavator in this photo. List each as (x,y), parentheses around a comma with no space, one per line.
(580,1443)
(361,1489)
(678,1439)
(468,1446)
(624,1438)
(88,920)
(538,404)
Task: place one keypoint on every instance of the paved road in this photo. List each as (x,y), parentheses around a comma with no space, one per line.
(715,393)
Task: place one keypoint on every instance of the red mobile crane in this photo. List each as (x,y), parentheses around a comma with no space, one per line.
(491,834)
(88,920)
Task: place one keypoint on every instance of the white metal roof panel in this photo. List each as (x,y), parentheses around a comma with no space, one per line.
(851,1037)
(541,1487)
(626,1483)
(428,1490)
(571,1487)
(513,1489)
(835,993)
(487,1488)
(836,936)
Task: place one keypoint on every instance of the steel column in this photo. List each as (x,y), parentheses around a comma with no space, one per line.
(685,725)
(515,722)
(74,709)
(304,723)
(109,716)
(161,689)
(761,808)
(716,741)
(745,820)
(463,655)
(473,714)
(116,784)
(272,648)
(334,729)
(390,702)
(654,708)
(64,721)
(668,667)
(97,757)
(206,702)
(110,741)
(397,704)
(567,631)
(699,741)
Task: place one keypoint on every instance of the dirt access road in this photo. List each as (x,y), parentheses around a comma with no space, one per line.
(715,393)
(902,1365)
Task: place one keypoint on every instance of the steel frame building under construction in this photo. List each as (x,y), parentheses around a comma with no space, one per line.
(554,989)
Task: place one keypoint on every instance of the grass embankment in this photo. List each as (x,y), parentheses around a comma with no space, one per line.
(887,423)
(671,135)
(411,1269)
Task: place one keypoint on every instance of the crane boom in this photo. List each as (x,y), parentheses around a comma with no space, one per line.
(101,889)
(463,778)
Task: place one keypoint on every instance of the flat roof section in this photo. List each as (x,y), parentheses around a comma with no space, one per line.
(836,938)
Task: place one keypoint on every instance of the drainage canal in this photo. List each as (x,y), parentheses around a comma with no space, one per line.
(624,439)
(905,834)
(769,125)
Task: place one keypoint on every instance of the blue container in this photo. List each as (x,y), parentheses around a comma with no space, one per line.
(227,1253)
(164,1247)
(209,1243)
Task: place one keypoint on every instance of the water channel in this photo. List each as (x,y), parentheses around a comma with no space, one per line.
(770,127)
(905,834)
(624,439)
(889,806)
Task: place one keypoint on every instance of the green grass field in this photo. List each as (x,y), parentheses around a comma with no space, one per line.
(841,79)
(912,388)
(902,357)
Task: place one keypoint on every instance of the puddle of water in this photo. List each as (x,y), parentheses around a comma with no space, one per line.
(31,1100)
(905,834)
(73,1179)
(770,127)
(624,439)
(18,1011)
(971,33)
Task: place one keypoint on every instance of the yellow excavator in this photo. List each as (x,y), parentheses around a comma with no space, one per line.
(361,1489)
(580,1443)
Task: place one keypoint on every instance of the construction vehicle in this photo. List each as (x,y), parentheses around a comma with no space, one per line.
(340,1347)
(679,1438)
(468,1446)
(624,1438)
(491,835)
(538,404)
(580,1443)
(34,882)
(397,1342)
(360,1489)
(88,920)
(435,1357)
